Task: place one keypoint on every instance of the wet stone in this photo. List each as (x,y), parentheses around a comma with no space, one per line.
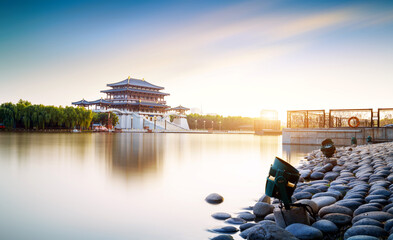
(304,232)
(261,209)
(353,205)
(226,229)
(377,215)
(338,218)
(365,230)
(246,226)
(269,231)
(389,225)
(365,209)
(270,217)
(223,237)
(324,201)
(317,175)
(246,216)
(324,194)
(302,195)
(335,209)
(236,221)
(325,226)
(214,198)
(221,215)
(368,221)
(362,237)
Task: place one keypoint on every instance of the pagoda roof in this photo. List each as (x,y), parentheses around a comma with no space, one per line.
(152,104)
(180,107)
(134,82)
(81,102)
(100,101)
(133,90)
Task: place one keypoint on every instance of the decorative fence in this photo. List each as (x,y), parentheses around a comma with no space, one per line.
(306,119)
(340,118)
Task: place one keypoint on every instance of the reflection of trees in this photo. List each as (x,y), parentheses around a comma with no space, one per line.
(134,154)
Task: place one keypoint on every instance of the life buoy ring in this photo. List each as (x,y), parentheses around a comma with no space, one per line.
(357,122)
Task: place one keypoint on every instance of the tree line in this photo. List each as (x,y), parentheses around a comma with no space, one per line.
(28,116)
(218,122)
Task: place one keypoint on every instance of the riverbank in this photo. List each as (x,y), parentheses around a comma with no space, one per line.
(350,194)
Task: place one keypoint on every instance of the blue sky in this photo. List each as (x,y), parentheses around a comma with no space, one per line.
(228,57)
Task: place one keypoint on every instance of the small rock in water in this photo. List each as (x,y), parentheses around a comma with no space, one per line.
(223,237)
(335,209)
(377,215)
(214,198)
(226,229)
(368,221)
(246,216)
(221,215)
(304,232)
(317,175)
(236,221)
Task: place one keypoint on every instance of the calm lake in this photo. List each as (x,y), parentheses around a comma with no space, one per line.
(129,186)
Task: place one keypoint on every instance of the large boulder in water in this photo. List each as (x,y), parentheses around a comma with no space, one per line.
(304,232)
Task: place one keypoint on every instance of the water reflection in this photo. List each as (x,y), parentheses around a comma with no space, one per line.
(131,155)
(294,153)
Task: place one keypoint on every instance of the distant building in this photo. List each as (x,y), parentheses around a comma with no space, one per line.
(138,103)
(268,124)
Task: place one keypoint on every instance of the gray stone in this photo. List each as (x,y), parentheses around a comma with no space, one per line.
(352,204)
(221,215)
(362,209)
(265,198)
(214,198)
(325,226)
(377,215)
(311,190)
(261,209)
(302,195)
(270,217)
(304,232)
(226,229)
(223,237)
(246,216)
(269,231)
(317,175)
(324,194)
(338,218)
(362,237)
(331,176)
(368,221)
(236,221)
(305,173)
(389,225)
(335,209)
(246,226)
(368,230)
(328,167)
(324,201)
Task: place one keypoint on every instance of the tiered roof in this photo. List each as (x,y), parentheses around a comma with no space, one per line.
(133,82)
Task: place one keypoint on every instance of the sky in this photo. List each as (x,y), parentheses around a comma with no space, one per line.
(221,56)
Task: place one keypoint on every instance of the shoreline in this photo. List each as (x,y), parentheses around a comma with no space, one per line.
(351,194)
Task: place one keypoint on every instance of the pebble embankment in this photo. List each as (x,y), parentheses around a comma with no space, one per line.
(350,192)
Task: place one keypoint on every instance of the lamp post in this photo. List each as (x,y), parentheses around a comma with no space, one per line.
(131,122)
(204,124)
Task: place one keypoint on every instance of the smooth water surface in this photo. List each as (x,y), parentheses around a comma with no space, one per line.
(129,186)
